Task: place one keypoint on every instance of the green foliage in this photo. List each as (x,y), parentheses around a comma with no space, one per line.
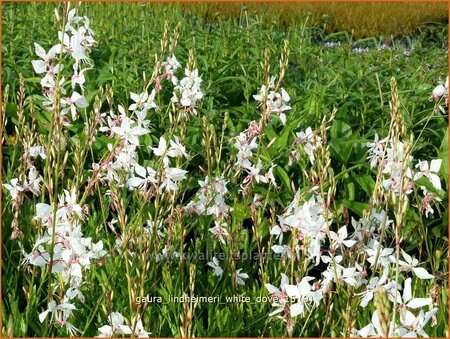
(319,79)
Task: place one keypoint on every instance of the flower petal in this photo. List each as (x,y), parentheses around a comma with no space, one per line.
(296,309)
(272,289)
(292,291)
(419,302)
(422,273)
(140,170)
(435,165)
(407,295)
(43,315)
(435,181)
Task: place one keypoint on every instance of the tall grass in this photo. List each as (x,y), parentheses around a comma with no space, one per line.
(367,19)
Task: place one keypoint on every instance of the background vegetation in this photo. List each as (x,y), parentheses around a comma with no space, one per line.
(229,42)
(365,19)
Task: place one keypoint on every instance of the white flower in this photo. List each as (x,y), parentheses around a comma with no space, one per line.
(72,103)
(66,310)
(162,147)
(116,326)
(277,231)
(38,256)
(383,253)
(14,188)
(218,207)
(188,92)
(139,330)
(40,66)
(144,177)
(218,271)
(69,206)
(413,325)
(59,313)
(78,77)
(219,231)
(73,45)
(395,167)
(261,96)
(141,117)
(374,284)
(172,176)
(151,227)
(210,199)
(310,142)
(274,290)
(349,276)
(284,250)
(129,132)
(253,174)
(34,181)
(176,149)
(36,151)
(97,250)
(309,218)
(240,277)
(112,120)
(439,91)
(143,101)
(245,148)
(429,197)
(339,238)
(304,294)
(48,81)
(275,102)
(408,301)
(278,103)
(430,172)
(43,213)
(270,177)
(279,294)
(171,65)
(374,329)
(72,19)
(51,308)
(376,150)
(409,264)
(124,160)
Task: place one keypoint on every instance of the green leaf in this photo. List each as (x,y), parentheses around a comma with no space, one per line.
(443,154)
(340,129)
(282,141)
(283,176)
(366,182)
(357,207)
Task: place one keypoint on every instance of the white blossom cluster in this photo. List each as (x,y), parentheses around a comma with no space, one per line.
(274,102)
(441,92)
(117,326)
(71,253)
(170,66)
(188,92)
(310,142)
(245,143)
(76,41)
(210,199)
(31,184)
(390,157)
(309,220)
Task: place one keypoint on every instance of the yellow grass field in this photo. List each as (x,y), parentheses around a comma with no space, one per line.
(365,19)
